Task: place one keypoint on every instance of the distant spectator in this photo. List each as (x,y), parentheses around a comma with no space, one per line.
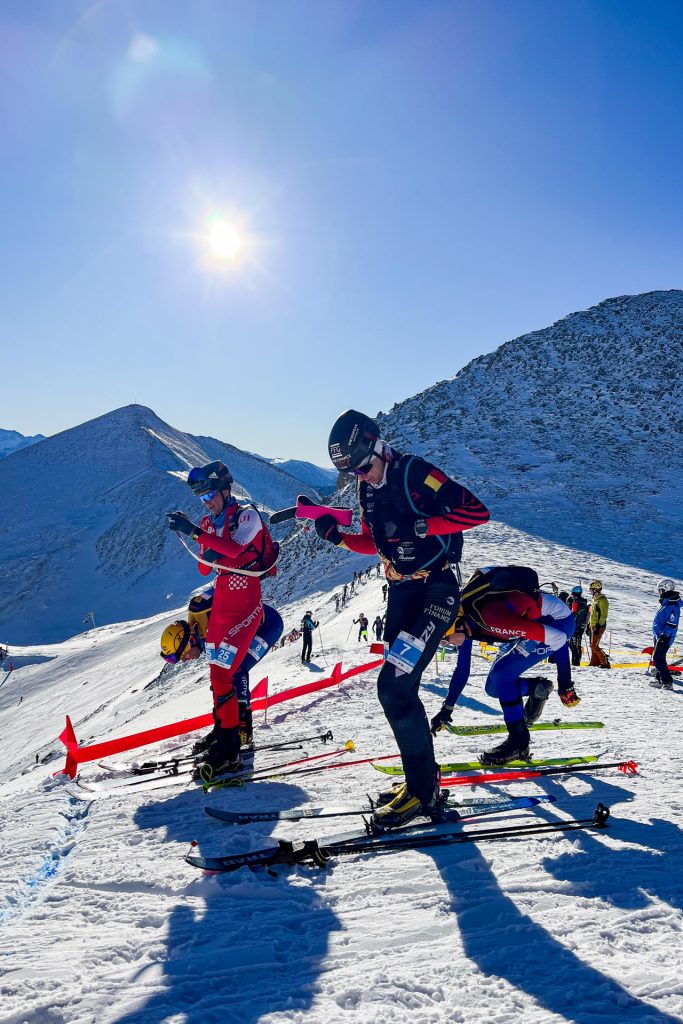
(308,624)
(362,622)
(337,602)
(385,590)
(378,627)
(664,629)
(598,624)
(579,606)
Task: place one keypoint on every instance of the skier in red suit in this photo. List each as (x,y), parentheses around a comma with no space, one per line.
(229,537)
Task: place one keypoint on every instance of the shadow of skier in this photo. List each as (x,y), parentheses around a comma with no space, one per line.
(239,945)
(503,942)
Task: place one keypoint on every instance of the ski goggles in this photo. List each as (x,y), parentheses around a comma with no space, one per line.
(363,468)
(209,496)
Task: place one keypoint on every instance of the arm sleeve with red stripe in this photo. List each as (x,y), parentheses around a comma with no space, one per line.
(451,507)
(360,543)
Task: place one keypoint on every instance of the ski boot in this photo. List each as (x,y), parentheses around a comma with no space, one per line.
(205,742)
(387,795)
(569,698)
(540,690)
(404,807)
(222,758)
(514,748)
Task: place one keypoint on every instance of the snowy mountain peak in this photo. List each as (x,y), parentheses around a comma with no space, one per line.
(573,432)
(83,523)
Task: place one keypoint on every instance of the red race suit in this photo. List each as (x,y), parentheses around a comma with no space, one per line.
(241,542)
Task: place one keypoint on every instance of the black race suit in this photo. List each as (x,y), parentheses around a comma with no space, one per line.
(423,596)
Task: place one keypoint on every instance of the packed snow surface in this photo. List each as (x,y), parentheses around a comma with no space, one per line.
(103,922)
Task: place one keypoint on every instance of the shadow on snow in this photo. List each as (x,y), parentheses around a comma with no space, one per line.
(504,942)
(255,945)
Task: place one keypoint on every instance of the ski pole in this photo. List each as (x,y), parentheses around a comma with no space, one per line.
(322,650)
(627,767)
(273,771)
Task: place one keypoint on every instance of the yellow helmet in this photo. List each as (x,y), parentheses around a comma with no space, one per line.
(174,641)
(596,585)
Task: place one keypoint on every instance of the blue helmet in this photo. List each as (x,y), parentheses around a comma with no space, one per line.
(577,590)
(213,477)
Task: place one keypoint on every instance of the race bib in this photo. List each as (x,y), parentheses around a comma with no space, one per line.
(258,647)
(405,652)
(223,655)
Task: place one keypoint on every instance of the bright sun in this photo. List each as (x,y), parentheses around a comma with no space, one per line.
(224,242)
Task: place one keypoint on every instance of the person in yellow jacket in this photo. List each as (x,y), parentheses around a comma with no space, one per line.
(597,623)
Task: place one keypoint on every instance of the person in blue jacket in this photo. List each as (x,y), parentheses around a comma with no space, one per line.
(664,629)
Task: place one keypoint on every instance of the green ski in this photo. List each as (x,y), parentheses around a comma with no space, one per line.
(484,730)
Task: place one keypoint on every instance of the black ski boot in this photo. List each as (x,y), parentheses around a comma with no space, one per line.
(514,748)
(205,742)
(222,758)
(540,690)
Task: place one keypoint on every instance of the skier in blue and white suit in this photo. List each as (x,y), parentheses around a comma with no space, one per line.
(664,629)
(504,604)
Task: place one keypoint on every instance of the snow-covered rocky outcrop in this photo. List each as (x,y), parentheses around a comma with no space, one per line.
(573,433)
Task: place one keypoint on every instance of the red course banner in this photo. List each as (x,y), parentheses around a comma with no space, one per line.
(76,755)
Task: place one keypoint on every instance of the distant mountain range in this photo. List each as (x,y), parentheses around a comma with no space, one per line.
(12,441)
(572,434)
(82,523)
(324,480)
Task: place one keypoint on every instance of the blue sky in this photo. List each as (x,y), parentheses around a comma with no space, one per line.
(414,182)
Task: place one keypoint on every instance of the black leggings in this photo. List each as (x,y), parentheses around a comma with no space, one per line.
(422,609)
(308,645)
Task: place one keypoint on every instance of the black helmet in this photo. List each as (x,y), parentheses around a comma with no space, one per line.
(213,477)
(352,440)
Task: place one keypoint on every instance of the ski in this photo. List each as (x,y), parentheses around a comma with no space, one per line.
(168,764)
(486,778)
(465,766)
(478,806)
(319,851)
(170,776)
(306,508)
(484,730)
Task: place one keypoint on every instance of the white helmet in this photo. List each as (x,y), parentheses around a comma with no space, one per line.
(665,585)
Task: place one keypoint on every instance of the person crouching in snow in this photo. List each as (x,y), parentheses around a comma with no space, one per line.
(505,605)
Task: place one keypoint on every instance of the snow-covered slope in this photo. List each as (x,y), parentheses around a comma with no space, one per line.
(12,441)
(102,922)
(574,433)
(82,523)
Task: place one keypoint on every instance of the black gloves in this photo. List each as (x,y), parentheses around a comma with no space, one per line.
(179,522)
(327,529)
(441,718)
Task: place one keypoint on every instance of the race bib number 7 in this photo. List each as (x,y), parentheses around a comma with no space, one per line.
(405,652)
